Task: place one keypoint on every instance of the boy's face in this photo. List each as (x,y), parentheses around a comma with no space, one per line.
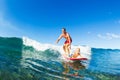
(78,50)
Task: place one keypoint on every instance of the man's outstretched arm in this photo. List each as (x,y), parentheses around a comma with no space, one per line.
(59,38)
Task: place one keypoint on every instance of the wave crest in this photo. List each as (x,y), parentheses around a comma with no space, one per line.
(85,50)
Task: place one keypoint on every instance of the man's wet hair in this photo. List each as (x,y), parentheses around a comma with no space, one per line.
(64,29)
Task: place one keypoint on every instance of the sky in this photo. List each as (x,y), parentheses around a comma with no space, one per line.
(95,23)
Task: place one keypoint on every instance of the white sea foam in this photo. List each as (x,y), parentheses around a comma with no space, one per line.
(84,50)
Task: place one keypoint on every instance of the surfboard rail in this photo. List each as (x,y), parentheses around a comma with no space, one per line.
(77,59)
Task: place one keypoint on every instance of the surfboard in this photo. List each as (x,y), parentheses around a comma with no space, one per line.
(74,59)
(68,58)
(77,59)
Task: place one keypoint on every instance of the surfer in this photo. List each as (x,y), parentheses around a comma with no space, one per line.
(67,43)
(76,54)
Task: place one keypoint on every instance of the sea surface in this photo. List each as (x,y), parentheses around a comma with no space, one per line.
(27,59)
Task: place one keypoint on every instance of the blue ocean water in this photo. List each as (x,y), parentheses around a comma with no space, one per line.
(26,59)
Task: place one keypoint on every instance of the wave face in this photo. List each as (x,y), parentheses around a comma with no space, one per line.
(105,60)
(27,59)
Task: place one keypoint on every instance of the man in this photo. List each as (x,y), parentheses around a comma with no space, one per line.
(67,43)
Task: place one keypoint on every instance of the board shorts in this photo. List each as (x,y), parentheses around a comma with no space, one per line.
(68,42)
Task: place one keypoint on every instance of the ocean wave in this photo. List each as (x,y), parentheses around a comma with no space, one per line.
(85,50)
(30,59)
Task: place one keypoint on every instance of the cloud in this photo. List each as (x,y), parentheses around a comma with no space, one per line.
(109,36)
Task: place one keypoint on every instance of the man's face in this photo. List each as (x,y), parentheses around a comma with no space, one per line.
(63,31)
